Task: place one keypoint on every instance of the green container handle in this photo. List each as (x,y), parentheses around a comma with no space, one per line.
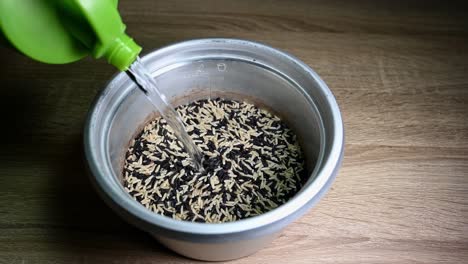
(63,31)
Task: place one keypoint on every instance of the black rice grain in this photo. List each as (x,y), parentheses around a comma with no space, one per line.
(253,164)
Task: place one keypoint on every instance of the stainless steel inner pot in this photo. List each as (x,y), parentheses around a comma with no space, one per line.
(229,68)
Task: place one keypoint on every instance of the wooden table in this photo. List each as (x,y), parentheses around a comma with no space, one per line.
(400,74)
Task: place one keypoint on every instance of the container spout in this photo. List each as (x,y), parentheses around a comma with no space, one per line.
(99,26)
(122,52)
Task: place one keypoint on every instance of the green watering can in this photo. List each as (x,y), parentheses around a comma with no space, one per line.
(64,31)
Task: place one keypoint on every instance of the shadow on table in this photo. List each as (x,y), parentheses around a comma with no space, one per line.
(88,228)
(20,115)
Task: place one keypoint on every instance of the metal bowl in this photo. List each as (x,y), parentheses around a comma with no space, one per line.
(230,68)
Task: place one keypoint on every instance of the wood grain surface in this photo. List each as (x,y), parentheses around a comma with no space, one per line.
(399,70)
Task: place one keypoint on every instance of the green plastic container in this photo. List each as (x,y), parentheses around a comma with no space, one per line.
(63,31)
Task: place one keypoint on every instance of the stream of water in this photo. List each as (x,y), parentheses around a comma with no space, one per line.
(142,78)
